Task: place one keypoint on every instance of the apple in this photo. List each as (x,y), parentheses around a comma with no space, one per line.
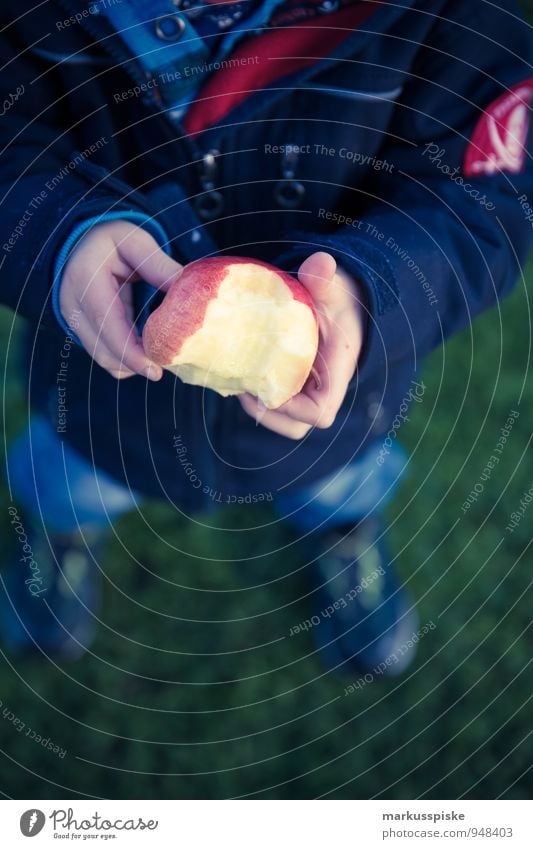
(236,325)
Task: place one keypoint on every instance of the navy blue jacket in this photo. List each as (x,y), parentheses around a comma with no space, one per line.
(383,126)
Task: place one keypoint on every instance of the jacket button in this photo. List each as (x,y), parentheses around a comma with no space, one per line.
(169,28)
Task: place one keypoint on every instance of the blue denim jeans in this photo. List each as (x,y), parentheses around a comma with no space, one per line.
(60,488)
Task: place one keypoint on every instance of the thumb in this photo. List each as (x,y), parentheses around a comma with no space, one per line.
(143,254)
(316,273)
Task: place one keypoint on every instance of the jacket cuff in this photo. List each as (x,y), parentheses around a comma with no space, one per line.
(139,218)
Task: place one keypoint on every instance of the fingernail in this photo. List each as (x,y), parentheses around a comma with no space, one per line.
(153,372)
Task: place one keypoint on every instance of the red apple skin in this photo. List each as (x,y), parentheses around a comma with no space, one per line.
(183,313)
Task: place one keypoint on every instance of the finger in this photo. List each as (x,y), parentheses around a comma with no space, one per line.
(143,254)
(125,293)
(108,320)
(302,409)
(272,420)
(317,273)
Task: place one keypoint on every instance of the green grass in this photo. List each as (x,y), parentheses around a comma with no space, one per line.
(260,716)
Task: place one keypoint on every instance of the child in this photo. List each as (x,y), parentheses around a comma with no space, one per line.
(376,150)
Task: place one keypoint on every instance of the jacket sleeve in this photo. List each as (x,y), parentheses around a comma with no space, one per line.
(431,245)
(47,184)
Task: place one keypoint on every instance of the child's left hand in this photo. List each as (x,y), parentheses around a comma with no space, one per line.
(341,321)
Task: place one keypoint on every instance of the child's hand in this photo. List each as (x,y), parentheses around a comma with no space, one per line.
(96,282)
(340,317)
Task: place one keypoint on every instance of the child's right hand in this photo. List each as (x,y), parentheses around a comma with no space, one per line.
(97,283)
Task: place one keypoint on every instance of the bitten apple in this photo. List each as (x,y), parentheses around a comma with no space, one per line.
(236,325)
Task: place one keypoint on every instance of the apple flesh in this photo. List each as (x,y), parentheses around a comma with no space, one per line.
(236,325)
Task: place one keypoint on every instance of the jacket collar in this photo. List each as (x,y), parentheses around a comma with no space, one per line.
(382,20)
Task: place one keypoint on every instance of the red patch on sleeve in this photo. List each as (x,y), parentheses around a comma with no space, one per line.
(498,142)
